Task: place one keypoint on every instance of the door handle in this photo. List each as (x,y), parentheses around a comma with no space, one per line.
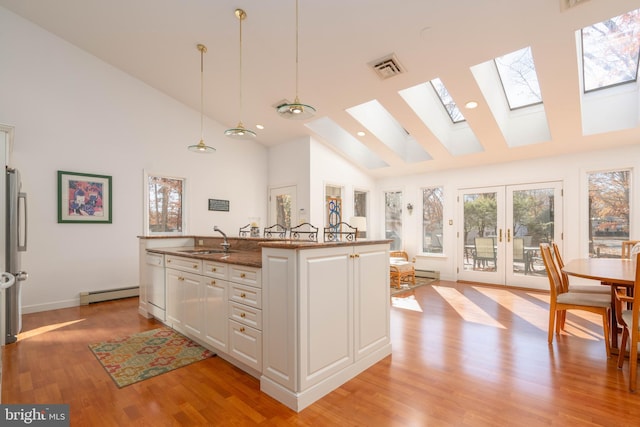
(508,235)
(500,236)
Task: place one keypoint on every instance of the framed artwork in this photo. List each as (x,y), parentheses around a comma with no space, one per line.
(84,197)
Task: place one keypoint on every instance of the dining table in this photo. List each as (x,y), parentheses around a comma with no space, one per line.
(612,272)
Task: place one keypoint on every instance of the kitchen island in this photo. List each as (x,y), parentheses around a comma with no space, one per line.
(302,317)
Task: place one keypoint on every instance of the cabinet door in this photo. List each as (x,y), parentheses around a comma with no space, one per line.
(245,344)
(371,288)
(215,313)
(326,313)
(175,297)
(192,318)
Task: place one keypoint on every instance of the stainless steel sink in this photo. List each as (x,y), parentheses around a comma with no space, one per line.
(204,251)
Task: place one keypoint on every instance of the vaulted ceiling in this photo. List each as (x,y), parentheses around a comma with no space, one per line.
(155,41)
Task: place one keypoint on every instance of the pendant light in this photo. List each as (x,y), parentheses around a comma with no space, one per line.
(296,110)
(201,147)
(240,132)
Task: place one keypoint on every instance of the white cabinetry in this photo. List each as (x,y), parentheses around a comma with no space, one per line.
(326,318)
(245,315)
(215,305)
(184,283)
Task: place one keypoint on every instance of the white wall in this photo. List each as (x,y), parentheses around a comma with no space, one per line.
(571,170)
(75,113)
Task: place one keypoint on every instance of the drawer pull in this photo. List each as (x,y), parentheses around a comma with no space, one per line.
(243,295)
(195,265)
(168,261)
(242,275)
(213,282)
(213,269)
(242,329)
(242,315)
(181,278)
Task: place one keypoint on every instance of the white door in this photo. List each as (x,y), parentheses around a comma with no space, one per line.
(501,230)
(282,207)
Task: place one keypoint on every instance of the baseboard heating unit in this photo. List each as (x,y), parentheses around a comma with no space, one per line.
(87,298)
(429,274)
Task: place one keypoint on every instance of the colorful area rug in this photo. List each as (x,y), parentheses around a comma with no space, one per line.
(405,287)
(141,356)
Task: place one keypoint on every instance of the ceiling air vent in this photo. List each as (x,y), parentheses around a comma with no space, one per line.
(386,67)
(568,4)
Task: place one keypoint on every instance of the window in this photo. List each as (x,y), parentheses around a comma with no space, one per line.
(608,212)
(393,218)
(447,101)
(610,51)
(519,79)
(360,212)
(333,196)
(165,202)
(432,220)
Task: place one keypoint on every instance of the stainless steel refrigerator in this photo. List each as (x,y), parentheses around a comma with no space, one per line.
(16,242)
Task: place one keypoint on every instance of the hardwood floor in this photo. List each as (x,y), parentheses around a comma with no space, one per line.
(463,355)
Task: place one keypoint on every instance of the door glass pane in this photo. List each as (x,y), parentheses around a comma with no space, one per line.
(480,221)
(533,223)
(360,211)
(393,218)
(283,210)
(608,213)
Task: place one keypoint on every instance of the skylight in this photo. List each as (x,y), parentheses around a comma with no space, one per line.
(610,51)
(447,101)
(519,80)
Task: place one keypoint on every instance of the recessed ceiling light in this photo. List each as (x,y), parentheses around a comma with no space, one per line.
(260,126)
(471,105)
(361,133)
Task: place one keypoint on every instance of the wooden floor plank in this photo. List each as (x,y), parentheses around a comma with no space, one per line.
(463,355)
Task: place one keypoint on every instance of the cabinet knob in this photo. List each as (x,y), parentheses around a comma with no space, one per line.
(357,255)
(242,275)
(242,329)
(168,261)
(213,269)
(243,295)
(195,265)
(242,315)
(213,282)
(181,278)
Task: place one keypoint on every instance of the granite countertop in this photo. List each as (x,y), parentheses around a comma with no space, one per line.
(302,244)
(248,258)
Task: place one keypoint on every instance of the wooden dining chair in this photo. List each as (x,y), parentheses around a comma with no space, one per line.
(628,319)
(587,285)
(561,300)
(627,245)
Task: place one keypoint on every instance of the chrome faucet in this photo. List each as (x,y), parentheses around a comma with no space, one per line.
(225,245)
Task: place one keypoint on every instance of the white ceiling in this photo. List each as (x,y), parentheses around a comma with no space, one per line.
(155,41)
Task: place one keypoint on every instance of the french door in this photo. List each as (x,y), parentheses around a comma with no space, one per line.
(282,207)
(501,229)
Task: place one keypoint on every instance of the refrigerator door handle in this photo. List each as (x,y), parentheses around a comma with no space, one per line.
(22,221)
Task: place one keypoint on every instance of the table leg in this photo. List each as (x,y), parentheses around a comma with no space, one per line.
(613,326)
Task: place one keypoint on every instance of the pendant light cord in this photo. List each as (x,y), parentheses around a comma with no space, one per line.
(202,50)
(241,18)
(297,49)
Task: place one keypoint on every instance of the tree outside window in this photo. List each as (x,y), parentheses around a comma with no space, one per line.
(165,205)
(608,212)
(432,220)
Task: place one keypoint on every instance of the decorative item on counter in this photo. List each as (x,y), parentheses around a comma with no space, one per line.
(255,230)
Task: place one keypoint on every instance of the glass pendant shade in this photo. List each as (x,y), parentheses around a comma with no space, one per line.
(296,110)
(240,132)
(201,147)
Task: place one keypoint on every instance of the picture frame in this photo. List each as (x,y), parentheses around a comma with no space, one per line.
(84,198)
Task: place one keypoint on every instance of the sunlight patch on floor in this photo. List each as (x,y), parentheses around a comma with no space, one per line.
(527,310)
(468,310)
(406,303)
(44,329)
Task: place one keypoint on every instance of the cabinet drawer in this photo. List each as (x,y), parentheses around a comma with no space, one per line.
(247,295)
(245,344)
(156,260)
(246,275)
(246,315)
(214,269)
(184,264)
